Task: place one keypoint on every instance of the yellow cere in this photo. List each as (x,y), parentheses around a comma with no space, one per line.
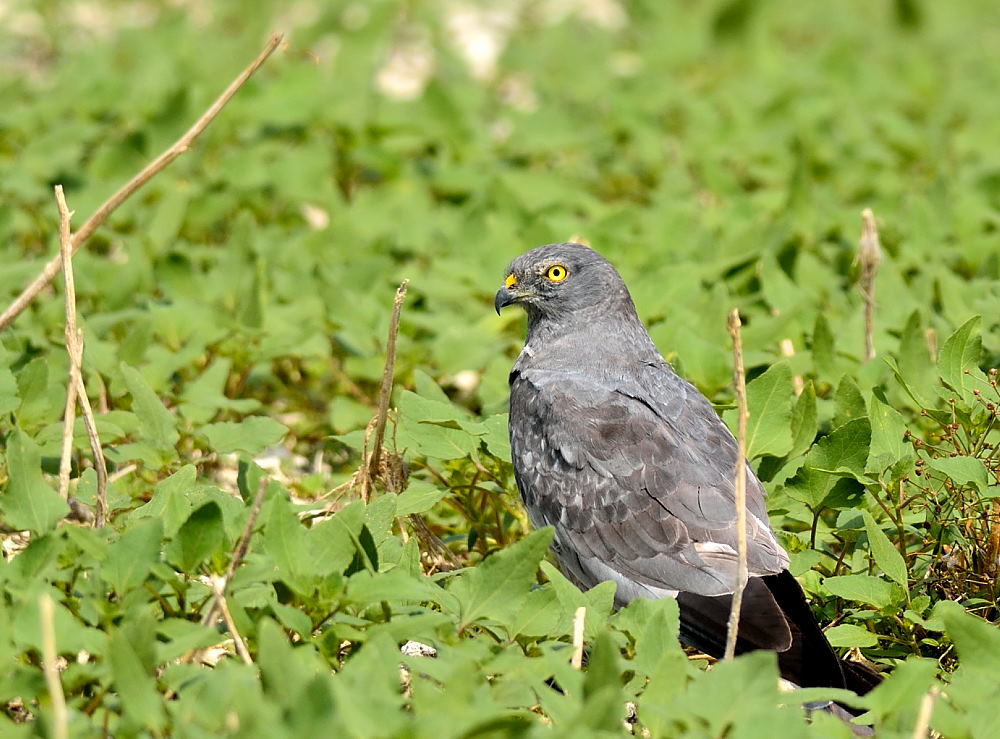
(556,273)
(510,281)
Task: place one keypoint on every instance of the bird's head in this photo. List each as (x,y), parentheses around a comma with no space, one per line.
(561,281)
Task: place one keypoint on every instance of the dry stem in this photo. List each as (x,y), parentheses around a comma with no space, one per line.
(923,722)
(869,257)
(60,728)
(145,175)
(385,392)
(579,619)
(240,552)
(76,390)
(739,377)
(218,585)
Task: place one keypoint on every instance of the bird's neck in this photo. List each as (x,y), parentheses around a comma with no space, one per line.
(583,340)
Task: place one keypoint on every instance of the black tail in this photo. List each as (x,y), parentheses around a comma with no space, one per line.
(776,616)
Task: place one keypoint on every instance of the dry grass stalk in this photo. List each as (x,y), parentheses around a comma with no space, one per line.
(60,718)
(579,619)
(739,376)
(371,469)
(76,389)
(125,192)
(239,553)
(869,257)
(218,585)
(922,726)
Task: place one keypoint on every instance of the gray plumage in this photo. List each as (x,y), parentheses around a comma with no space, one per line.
(635,471)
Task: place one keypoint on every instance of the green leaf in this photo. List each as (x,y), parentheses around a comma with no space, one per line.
(977,642)
(804,422)
(849,635)
(499,585)
(861,588)
(887,443)
(200,537)
(332,544)
(9,399)
(141,702)
(129,559)
(842,453)
(540,615)
(849,403)
(963,471)
(604,675)
(158,425)
(28,502)
(886,556)
(769,403)
(419,497)
(251,435)
(171,501)
(958,362)
(285,540)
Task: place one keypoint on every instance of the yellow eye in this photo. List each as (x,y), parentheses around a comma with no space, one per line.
(556,273)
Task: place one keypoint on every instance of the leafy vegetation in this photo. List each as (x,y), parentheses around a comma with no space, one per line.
(235,315)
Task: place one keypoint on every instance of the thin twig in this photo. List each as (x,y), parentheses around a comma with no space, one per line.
(739,377)
(240,551)
(69,414)
(69,419)
(60,719)
(923,722)
(579,619)
(385,392)
(218,585)
(145,175)
(869,257)
(74,348)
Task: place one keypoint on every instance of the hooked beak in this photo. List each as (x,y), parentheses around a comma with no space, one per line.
(503,298)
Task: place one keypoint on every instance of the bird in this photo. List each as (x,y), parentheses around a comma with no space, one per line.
(635,471)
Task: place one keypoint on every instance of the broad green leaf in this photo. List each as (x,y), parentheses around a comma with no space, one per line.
(861,588)
(900,695)
(141,703)
(915,369)
(849,404)
(29,502)
(171,500)
(9,399)
(842,453)
(958,362)
(977,641)
(886,556)
(332,544)
(497,587)
(604,676)
(850,635)
(540,615)
(963,471)
(419,497)
(887,444)
(804,422)
(286,540)
(599,600)
(251,435)
(129,559)
(200,537)
(769,403)
(159,427)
